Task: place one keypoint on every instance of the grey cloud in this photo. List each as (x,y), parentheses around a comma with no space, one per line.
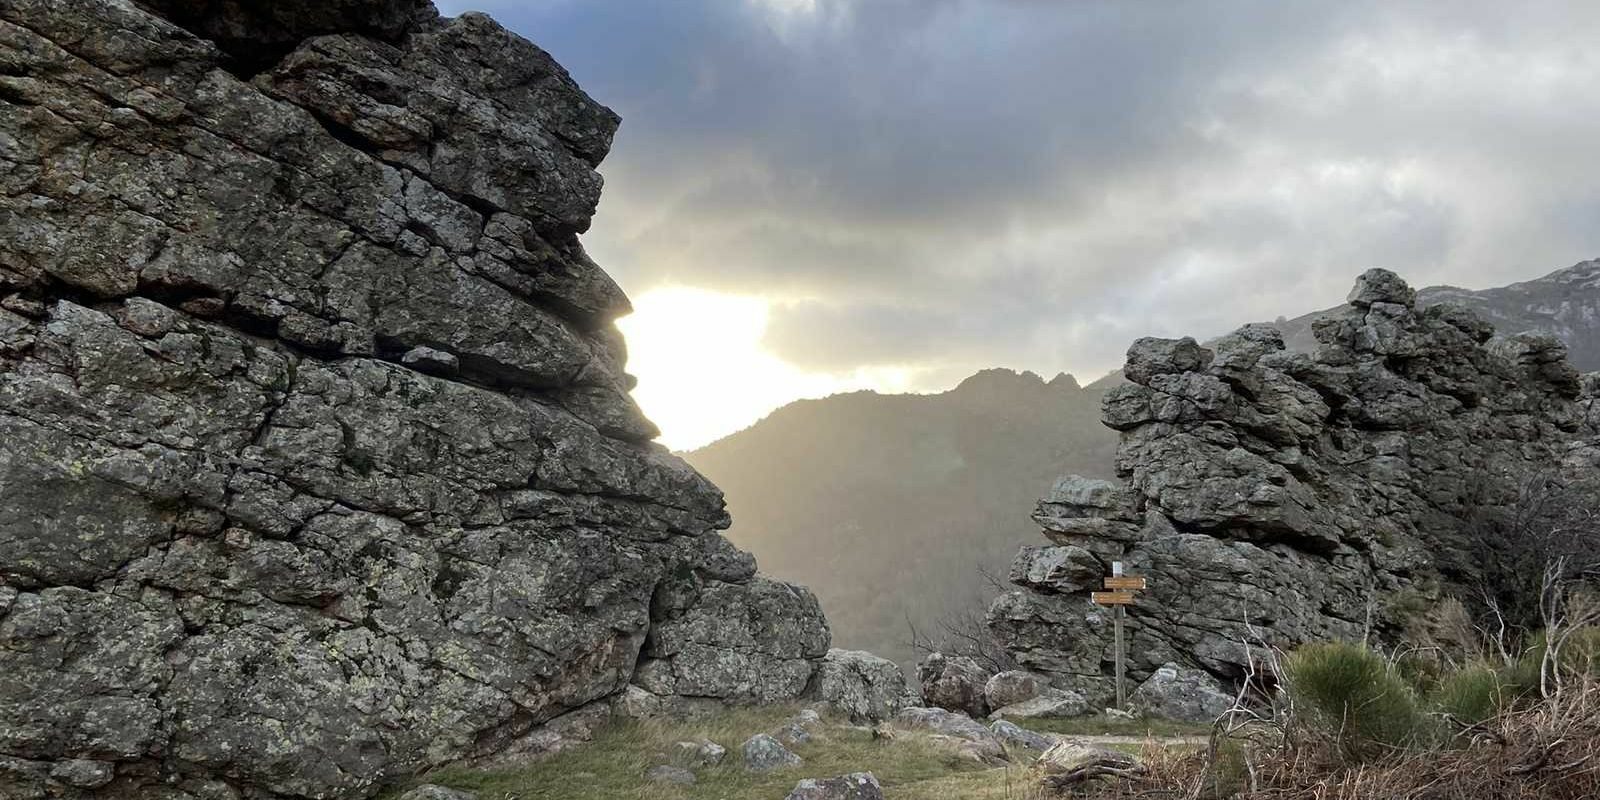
(1034,183)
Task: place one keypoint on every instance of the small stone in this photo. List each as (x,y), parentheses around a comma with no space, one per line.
(702,753)
(670,774)
(429,791)
(763,753)
(855,786)
(1012,733)
(83,773)
(792,733)
(427,359)
(636,703)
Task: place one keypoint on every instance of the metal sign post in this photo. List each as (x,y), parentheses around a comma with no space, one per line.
(1119,594)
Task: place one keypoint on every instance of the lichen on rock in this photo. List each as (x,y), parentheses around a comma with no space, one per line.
(318,458)
(1282,497)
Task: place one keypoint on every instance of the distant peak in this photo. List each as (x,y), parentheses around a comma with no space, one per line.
(1000,378)
(1064,380)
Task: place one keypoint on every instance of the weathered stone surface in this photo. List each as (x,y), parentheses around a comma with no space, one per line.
(763,753)
(1014,734)
(1272,493)
(1150,357)
(1013,686)
(792,733)
(1181,693)
(1070,761)
(318,461)
(953,682)
(860,684)
(756,642)
(701,753)
(567,731)
(855,786)
(968,736)
(1051,703)
(1064,570)
(429,791)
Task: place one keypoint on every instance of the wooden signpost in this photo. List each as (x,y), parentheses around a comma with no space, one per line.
(1119,593)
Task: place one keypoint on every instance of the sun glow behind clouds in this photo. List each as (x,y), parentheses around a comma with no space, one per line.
(703,373)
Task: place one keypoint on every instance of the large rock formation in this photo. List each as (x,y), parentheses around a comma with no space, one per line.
(1290,497)
(317,462)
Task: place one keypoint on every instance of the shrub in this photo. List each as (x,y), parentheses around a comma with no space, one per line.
(1473,694)
(1352,695)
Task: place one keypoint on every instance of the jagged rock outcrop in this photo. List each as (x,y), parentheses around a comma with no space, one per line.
(1290,496)
(317,462)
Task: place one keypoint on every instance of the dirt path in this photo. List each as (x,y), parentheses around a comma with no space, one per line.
(1125,739)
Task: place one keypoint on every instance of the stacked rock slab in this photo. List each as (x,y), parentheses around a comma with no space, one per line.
(1288,497)
(317,462)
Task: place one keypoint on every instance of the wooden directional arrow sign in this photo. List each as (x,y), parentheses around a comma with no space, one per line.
(1124,582)
(1112,598)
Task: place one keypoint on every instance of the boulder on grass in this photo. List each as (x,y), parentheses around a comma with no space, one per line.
(763,753)
(954,683)
(1049,704)
(1071,762)
(868,688)
(1014,734)
(699,753)
(960,733)
(1013,686)
(855,786)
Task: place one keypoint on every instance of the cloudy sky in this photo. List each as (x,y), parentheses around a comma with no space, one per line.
(809,196)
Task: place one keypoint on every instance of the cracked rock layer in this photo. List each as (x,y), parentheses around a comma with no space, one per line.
(317,460)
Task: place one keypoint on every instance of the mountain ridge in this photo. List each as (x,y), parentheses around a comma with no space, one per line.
(814,477)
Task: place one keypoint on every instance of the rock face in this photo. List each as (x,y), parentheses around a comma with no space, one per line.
(1283,491)
(318,463)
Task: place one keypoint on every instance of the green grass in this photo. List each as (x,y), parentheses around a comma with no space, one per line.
(1355,697)
(1103,726)
(612,767)
(1473,693)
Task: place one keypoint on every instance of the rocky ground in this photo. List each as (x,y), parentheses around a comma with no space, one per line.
(915,756)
